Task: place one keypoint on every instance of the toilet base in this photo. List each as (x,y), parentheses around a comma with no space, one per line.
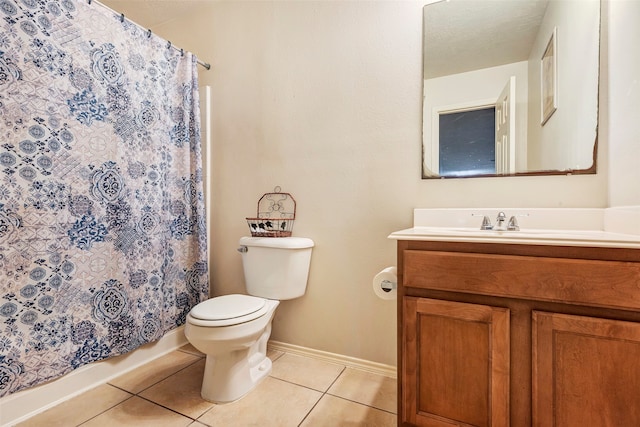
(236,355)
(226,379)
(229,376)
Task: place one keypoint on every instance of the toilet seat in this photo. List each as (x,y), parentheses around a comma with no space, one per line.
(228,310)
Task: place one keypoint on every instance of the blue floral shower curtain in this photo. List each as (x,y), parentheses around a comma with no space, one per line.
(102,233)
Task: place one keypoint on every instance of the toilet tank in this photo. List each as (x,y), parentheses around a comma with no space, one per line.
(276,267)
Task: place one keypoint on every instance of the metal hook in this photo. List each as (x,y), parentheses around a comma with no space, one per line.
(122,17)
(181,52)
(149,33)
(168,44)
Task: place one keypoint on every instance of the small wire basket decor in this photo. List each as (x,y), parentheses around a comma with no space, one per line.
(276,212)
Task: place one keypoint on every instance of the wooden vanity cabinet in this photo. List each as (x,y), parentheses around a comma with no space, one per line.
(518,335)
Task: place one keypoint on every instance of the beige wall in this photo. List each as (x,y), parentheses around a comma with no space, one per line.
(621,117)
(324,99)
(574,122)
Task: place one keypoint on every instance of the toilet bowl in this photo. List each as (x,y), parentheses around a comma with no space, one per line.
(233,330)
(236,346)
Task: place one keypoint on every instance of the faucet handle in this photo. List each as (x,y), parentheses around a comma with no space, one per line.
(513,224)
(486,222)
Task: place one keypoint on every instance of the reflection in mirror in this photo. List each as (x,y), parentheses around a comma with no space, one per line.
(510,87)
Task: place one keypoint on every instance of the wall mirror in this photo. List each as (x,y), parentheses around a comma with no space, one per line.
(510,87)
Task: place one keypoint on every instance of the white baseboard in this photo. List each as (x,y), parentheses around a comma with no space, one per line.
(24,404)
(351,362)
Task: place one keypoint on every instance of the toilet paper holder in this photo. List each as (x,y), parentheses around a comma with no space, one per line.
(385,284)
(388,285)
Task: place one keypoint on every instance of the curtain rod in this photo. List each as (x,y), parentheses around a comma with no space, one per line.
(206,65)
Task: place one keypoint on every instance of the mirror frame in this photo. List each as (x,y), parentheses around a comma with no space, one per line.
(541,172)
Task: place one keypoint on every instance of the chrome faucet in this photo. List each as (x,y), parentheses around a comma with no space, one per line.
(500,222)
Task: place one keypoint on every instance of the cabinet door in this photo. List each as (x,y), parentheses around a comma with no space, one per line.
(586,371)
(455,364)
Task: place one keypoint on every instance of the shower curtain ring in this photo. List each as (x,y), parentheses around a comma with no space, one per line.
(168,44)
(89,1)
(149,33)
(181,52)
(122,17)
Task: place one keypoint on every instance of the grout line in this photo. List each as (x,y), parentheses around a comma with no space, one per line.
(154,384)
(299,385)
(165,378)
(344,368)
(165,407)
(323,393)
(310,410)
(110,408)
(119,388)
(360,403)
(354,401)
(302,385)
(159,381)
(336,396)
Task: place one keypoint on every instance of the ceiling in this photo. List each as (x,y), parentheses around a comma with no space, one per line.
(466,35)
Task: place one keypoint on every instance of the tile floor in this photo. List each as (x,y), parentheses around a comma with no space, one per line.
(300,391)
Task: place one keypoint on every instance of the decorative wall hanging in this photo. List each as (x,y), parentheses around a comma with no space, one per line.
(549,79)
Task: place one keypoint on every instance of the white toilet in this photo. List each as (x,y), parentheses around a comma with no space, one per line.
(233,330)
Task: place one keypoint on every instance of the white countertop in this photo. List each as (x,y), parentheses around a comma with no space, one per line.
(558,227)
(523,237)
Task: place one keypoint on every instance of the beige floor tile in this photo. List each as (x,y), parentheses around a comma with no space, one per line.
(140,413)
(188,348)
(80,408)
(271,403)
(181,391)
(332,411)
(306,371)
(152,372)
(197,424)
(367,388)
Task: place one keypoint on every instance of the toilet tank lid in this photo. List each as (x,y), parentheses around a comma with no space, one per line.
(278,242)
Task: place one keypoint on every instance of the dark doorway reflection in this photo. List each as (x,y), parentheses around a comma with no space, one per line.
(467,142)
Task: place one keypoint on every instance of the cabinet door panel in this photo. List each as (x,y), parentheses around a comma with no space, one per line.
(585,371)
(455,364)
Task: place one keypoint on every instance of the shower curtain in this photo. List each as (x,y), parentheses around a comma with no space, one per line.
(102,230)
